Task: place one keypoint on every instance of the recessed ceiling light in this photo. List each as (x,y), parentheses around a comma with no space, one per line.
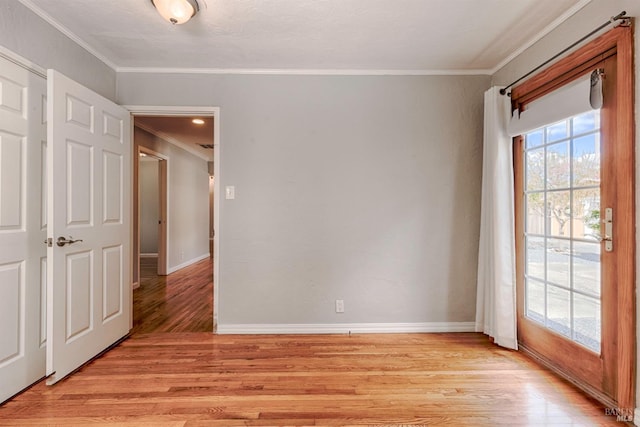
(198,121)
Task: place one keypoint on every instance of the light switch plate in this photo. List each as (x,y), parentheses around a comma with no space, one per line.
(230,192)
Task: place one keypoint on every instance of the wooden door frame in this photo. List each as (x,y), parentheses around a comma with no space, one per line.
(618,42)
(181,111)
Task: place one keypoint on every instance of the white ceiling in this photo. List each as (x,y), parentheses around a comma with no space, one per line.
(410,36)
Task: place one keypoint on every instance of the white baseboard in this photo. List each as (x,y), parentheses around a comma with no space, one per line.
(135,285)
(345,328)
(636,417)
(148,255)
(187,263)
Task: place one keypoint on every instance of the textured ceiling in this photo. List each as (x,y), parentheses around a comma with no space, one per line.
(407,35)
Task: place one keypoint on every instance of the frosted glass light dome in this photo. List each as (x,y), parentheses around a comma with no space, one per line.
(176,11)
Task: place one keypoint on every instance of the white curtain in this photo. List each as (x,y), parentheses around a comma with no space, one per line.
(496,299)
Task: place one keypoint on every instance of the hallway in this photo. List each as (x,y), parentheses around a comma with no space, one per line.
(179,302)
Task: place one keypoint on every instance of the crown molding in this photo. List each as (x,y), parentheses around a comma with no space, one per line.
(23,62)
(546,30)
(64,30)
(303,72)
(172,140)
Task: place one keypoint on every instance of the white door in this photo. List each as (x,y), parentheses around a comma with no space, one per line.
(89,187)
(23,225)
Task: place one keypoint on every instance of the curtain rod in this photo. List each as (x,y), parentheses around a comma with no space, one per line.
(618,17)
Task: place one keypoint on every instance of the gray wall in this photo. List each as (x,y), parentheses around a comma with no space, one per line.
(149,205)
(362,188)
(188,201)
(28,35)
(594,14)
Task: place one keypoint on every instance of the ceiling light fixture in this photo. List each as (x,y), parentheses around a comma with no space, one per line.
(198,121)
(176,11)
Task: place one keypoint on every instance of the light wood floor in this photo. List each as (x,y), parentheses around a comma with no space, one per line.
(197,379)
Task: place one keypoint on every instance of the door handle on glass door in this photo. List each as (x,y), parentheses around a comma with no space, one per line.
(63,241)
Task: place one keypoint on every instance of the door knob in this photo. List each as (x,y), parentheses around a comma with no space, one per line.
(64,241)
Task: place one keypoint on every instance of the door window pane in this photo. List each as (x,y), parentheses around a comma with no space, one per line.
(557,131)
(586,161)
(535,300)
(535,138)
(586,268)
(558,310)
(585,219)
(558,174)
(535,222)
(559,262)
(586,122)
(535,170)
(586,318)
(535,257)
(558,213)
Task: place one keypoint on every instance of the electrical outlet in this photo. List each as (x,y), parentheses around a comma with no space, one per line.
(339,306)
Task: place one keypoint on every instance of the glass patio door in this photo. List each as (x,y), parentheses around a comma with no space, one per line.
(575,219)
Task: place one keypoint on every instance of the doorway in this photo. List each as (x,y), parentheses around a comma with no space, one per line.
(150,228)
(190,161)
(149,205)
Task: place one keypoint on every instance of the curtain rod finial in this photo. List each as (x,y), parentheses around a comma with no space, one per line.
(619,16)
(503,91)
